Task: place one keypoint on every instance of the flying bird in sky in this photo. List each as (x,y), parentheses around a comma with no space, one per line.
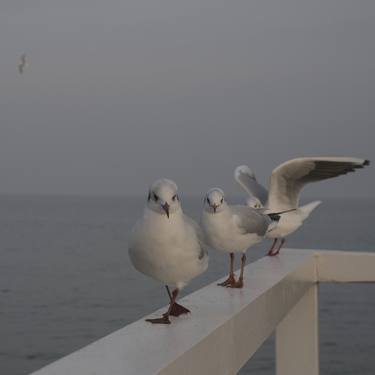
(22,64)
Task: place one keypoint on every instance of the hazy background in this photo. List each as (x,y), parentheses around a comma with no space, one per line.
(120,92)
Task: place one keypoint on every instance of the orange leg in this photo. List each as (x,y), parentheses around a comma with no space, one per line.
(165,318)
(280,246)
(270,251)
(231,278)
(177,309)
(239,283)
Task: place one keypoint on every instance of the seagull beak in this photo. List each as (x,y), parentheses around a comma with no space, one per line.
(215,206)
(166,208)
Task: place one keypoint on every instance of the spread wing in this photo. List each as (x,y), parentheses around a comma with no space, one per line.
(246,178)
(288,179)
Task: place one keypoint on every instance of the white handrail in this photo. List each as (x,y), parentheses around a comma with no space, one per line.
(227,326)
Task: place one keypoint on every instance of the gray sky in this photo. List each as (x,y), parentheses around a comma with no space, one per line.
(120,92)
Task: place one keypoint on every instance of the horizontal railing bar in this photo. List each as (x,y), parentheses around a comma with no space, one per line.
(344,266)
(225,328)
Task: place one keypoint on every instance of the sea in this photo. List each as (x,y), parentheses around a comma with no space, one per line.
(66,279)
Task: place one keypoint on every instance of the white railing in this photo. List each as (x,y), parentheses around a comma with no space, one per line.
(227,326)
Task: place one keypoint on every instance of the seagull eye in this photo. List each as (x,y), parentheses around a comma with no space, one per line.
(222,200)
(208,200)
(174,197)
(156,198)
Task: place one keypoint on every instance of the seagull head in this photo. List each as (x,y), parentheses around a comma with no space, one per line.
(214,200)
(163,197)
(244,169)
(254,202)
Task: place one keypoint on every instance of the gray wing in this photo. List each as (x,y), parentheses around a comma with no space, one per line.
(247,180)
(249,220)
(288,179)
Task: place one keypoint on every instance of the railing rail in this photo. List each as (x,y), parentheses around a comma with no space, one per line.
(228,326)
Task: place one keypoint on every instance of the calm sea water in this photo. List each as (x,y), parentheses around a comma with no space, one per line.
(65,280)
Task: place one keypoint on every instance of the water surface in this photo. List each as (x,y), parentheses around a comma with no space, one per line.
(65,280)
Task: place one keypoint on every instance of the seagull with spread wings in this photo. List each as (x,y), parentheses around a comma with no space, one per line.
(286,183)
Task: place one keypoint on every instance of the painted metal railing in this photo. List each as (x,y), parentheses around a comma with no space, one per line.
(228,326)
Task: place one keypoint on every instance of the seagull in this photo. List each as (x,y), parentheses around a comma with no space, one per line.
(233,228)
(286,183)
(23,64)
(167,245)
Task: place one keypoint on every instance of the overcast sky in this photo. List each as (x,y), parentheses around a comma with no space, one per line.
(120,92)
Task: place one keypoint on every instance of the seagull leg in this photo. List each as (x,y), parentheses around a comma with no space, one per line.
(280,246)
(177,309)
(239,283)
(231,279)
(272,247)
(165,318)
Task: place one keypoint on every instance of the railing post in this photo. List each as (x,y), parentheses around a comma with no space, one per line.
(297,338)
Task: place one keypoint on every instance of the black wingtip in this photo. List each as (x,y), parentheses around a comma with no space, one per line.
(274,217)
(366,162)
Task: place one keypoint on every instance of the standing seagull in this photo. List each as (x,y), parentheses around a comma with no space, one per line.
(22,64)
(286,183)
(167,245)
(232,229)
